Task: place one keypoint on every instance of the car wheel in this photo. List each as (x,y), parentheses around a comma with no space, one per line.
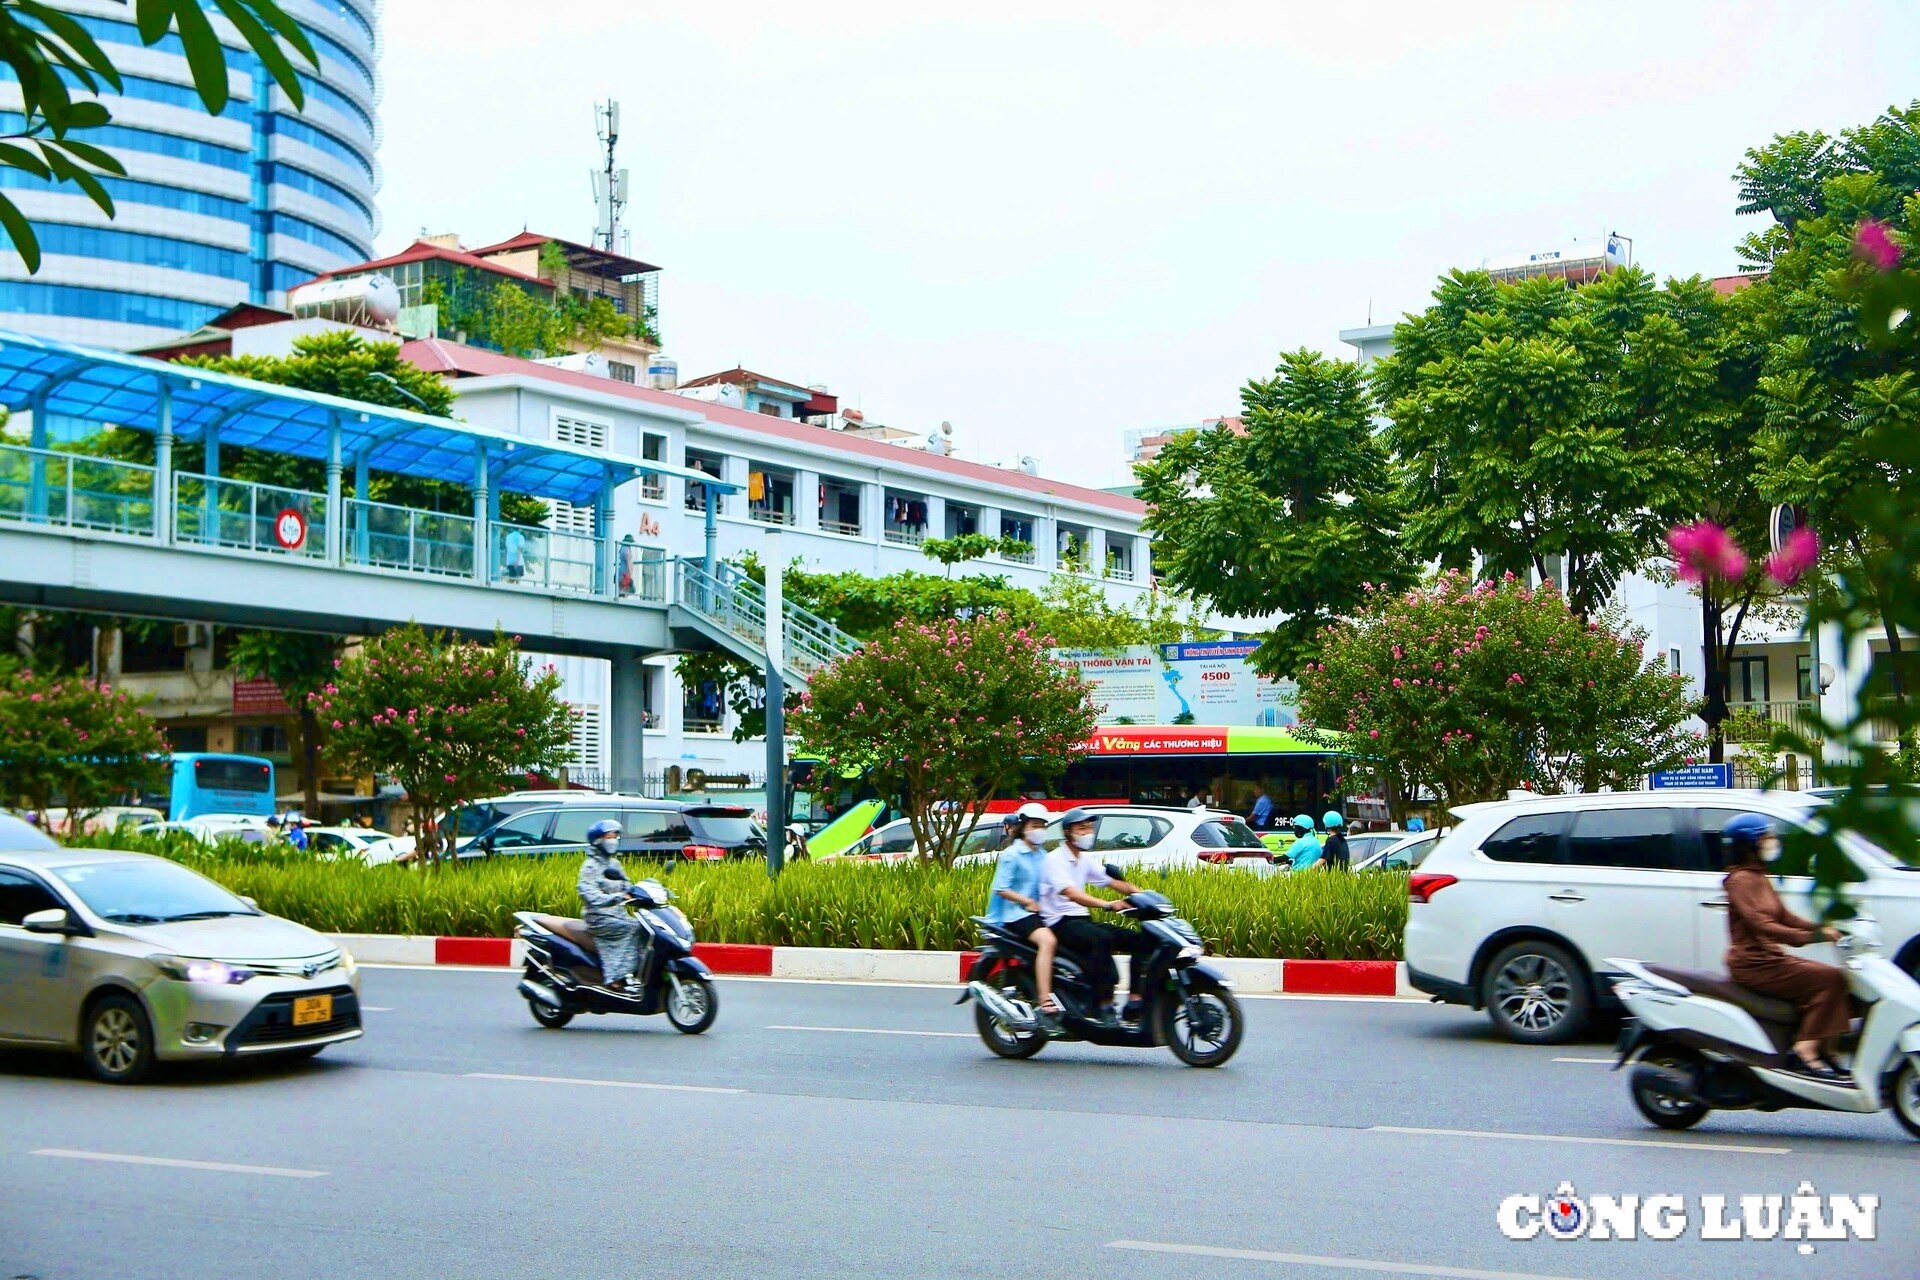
(117,1040)
(1535,993)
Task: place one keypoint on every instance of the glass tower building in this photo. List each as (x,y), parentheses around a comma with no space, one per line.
(215,210)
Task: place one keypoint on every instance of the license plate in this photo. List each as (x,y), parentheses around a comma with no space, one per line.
(309,1010)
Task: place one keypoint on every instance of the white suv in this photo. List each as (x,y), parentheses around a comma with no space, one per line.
(1519,905)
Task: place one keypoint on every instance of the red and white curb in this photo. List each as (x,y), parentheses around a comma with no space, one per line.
(1253,977)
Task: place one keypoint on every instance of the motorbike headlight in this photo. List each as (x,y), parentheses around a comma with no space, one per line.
(209,972)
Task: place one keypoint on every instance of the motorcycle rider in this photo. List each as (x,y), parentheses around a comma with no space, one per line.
(1335,854)
(1306,848)
(604,891)
(1013,903)
(1065,905)
(1758,924)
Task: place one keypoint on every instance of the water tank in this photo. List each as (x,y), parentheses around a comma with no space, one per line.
(365,300)
(663,372)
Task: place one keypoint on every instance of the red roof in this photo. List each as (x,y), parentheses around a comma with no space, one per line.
(1734,284)
(451,358)
(422,251)
(583,257)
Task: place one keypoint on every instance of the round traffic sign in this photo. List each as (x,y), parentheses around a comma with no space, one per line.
(290,529)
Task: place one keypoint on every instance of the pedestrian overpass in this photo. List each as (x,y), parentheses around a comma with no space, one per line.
(84,526)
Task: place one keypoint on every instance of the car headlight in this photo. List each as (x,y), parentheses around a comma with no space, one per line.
(347,963)
(187,969)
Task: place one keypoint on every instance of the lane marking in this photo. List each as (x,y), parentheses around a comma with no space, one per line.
(1585,1141)
(376,1008)
(600,1084)
(1340,1264)
(1598,1062)
(206,1166)
(876,1031)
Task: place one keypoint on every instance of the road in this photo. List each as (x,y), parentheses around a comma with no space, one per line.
(833,1130)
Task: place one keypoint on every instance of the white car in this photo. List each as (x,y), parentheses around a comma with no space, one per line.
(1157,838)
(1517,908)
(345,842)
(210,828)
(894,843)
(1407,850)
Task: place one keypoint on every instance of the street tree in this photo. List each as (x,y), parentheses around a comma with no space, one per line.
(945,715)
(449,719)
(1471,690)
(1543,429)
(1296,517)
(65,739)
(299,664)
(61,71)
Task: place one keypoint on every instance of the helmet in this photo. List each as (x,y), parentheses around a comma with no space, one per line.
(601,830)
(1303,821)
(1746,829)
(1033,811)
(1073,817)
(1333,819)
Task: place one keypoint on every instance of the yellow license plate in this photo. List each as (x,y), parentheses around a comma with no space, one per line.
(308,1010)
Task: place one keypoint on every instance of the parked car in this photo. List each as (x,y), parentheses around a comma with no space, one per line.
(1517,909)
(1408,850)
(345,842)
(210,828)
(1362,845)
(1150,836)
(111,818)
(659,829)
(464,822)
(130,960)
(894,843)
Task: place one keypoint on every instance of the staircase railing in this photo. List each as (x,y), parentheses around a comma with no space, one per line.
(734,602)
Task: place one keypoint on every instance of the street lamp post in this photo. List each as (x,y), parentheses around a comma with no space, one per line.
(776,708)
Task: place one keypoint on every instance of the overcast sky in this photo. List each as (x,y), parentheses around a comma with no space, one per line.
(1049,222)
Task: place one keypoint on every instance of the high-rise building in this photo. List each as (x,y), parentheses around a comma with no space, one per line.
(215,210)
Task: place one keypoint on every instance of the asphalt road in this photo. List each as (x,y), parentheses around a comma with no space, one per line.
(823,1130)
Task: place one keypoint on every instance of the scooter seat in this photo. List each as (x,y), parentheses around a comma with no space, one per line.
(574,931)
(1716,986)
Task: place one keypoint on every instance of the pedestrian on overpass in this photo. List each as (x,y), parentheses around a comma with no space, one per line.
(514,553)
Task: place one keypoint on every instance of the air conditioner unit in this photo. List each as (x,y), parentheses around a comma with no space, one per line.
(192,635)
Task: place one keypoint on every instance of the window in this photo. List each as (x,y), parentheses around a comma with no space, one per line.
(129,191)
(654,449)
(620,371)
(580,432)
(1129,831)
(322,841)
(21,895)
(1533,838)
(1640,839)
(1226,835)
(711,464)
(114,136)
(215,773)
(310,184)
(317,235)
(586,737)
(570,825)
(185,737)
(1793,856)
(1673,661)
(261,740)
(1747,680)
(34,298)
(146,250)
(519,833)
(897,839)
(301,131)
(1803,678)
(649,826)
(567,518)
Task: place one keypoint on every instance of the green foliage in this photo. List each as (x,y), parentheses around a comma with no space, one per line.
(961,548)
(1295,517)
(915,906)
(51,54)
(67,740)
(1533,421)
(521,324)
(1471,691)
(449,719)
(298,663)
(944,715)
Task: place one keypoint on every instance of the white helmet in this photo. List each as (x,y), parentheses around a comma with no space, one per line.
(1033,811)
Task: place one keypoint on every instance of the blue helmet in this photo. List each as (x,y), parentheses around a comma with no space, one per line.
(601,830)
(1746,830)
(1303,823)
(1333,819)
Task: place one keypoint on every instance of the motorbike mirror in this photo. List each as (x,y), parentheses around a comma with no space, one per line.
(1113,871)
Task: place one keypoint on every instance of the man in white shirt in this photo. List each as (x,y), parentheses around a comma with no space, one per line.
(1065,906)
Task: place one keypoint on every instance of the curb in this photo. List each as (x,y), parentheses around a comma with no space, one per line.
(1383,978)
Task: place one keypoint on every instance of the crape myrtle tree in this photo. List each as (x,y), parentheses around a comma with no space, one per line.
(946,714)
(449,719)
(1471,690)
(65,739)
(1295,517)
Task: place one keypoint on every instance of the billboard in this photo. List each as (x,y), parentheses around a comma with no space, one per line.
(1203,682)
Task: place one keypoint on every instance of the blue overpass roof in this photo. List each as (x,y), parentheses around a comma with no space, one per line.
(113,388)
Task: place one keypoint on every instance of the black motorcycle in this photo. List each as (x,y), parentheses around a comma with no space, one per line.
(563,978)
(1188,1004)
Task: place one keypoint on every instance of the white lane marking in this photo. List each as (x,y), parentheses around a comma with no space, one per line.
(877,1031)
(601,1084)
(376,1008)
(1598,1062)
(207,1166)
(1340,1264)
(1586,1141)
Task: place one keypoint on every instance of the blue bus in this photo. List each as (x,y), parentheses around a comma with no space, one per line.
(210,782)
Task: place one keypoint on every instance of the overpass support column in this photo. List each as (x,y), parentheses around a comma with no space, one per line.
(37,466)
(336,516)
(482,535)
(360,511)
(163,469)
(629,720)
(605,569)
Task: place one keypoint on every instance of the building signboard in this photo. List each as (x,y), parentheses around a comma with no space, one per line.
(1209,682)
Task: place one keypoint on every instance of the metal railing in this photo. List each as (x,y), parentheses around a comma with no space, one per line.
(560,560)
(1119,572)
(907,537)
(1754,722)
(736,603)
(653,488)
(768,515)
(1018,556)
(217,512)
(391,537)
(846,528)
(42,486)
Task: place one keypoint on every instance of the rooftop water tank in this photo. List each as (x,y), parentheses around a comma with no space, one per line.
(663,372)
(364,300)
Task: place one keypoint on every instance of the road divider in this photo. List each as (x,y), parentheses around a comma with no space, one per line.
(1384,978)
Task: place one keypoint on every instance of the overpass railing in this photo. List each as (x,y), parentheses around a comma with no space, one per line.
(217,512)
(386,536)
(729,599)
(42,486)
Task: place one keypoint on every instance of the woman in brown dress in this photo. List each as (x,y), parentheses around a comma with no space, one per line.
(1759,927)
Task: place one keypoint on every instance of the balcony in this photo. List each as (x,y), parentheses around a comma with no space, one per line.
(906,537)
(1753,723)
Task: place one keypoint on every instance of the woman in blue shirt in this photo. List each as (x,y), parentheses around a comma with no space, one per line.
(1014,901)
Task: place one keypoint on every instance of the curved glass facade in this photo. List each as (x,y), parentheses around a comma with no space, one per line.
(189,178)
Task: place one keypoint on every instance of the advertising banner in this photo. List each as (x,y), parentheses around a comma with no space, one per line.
(1207,682)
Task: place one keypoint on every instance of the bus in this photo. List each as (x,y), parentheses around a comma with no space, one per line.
(1170,764)
(202,782)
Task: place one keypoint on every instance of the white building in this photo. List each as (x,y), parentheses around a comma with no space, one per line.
(839,499)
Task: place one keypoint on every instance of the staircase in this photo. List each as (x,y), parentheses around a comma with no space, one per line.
(729,609)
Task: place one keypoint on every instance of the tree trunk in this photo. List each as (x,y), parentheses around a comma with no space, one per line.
(1715,656)
(310,758)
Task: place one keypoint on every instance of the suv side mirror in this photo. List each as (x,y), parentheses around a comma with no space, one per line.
(53,920)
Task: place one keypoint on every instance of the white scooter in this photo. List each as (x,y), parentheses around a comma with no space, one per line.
(1699,1041)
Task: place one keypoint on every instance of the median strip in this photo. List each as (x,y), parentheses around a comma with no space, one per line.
(203,1166)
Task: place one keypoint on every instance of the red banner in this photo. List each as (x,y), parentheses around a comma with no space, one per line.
(1157,740)
(259,698)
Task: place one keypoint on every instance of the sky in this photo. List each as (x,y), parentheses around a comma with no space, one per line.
(1048,223)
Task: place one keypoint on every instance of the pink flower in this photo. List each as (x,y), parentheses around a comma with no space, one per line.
(449,777)
(1373,733)
(336,724)
(1704,550)
(1795,556)
(1396,682)
(1874,244)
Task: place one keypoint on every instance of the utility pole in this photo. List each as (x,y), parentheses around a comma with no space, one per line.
(609,182)
(776,640)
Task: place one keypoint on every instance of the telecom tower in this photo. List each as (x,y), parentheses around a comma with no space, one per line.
(609,183)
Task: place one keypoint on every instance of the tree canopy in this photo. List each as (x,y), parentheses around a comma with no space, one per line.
(65,739)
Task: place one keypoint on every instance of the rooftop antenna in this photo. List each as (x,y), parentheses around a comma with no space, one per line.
(609,183)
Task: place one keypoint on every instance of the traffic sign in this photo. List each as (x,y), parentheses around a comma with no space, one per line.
(290,529)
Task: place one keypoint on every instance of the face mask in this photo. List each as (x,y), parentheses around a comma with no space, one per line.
(1083,842)
(608,846)
(1035,838)
(1770,849)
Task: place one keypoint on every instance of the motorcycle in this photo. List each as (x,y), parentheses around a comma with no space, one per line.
(562,976)
(1699,1042)
(1189,1005)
